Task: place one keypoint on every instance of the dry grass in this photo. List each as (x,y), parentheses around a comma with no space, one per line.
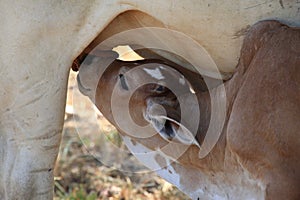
(80,171)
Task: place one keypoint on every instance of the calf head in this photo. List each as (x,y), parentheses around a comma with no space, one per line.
(145,98)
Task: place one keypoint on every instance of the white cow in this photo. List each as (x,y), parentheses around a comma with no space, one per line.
(39,41)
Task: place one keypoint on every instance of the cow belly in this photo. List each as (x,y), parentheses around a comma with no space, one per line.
(219,26)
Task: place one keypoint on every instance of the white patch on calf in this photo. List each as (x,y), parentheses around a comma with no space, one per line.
(195,183)
(182,80)
(162,67)
(169,174)
(154,73)
(149,159)
(142,153)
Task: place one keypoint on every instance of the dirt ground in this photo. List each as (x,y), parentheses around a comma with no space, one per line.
(93,162)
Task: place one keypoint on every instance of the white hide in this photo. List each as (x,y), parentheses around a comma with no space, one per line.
(40,39)
(154,73)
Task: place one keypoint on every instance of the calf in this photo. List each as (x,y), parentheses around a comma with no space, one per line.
(257,153)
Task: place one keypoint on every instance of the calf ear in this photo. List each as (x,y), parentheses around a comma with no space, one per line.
(256,37)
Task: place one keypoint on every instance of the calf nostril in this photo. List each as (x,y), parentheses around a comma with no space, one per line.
(156,110)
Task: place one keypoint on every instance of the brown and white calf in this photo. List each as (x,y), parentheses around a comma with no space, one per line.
(257,154)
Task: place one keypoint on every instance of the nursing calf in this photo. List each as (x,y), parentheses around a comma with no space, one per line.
(257,154)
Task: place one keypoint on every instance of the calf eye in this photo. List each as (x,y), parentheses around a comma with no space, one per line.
(123,82)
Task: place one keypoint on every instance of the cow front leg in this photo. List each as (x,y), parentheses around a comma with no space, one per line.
(30,127)
(28,168)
